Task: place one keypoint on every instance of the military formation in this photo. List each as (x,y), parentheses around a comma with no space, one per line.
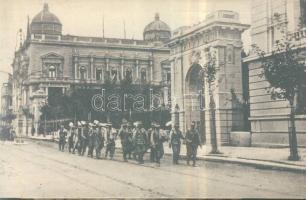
(91,138)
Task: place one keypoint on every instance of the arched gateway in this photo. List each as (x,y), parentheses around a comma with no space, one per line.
(220,32)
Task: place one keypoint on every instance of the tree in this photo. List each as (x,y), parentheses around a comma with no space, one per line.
(283,70)
(209,73)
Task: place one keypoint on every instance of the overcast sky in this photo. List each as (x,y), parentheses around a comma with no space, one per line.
(84,17)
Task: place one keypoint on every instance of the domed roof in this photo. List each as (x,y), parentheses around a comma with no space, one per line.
(157,25)
(45,16)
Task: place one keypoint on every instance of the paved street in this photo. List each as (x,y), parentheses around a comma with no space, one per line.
(33,170)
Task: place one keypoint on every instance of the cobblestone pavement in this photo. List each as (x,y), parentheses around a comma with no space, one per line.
(33,170)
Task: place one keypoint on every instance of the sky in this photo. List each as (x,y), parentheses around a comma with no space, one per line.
(85,18)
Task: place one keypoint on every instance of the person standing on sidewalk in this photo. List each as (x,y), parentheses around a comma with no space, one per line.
(192,142)
(175,142)
(62,138)
(157,140)
(90,139)
(70,136)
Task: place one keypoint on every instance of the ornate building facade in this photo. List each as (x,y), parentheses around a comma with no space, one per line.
(269,117)
(220,33)
(52,63)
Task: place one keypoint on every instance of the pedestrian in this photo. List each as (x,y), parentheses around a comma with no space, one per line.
(62,133)
(152,156)
(71,136)
(32,130)
(192,142)
(124,137)
(110,141)
(175,142)
(140,141)
(130,139)
(157,139)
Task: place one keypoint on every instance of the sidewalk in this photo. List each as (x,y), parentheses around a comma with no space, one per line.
(270,158)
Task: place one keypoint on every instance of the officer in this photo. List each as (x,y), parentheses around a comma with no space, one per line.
(157,139)
(175,142)
(110,141)
(140,141)
(124,137)
(192,142)
(62,133)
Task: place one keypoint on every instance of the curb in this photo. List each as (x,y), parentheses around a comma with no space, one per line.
(259,164)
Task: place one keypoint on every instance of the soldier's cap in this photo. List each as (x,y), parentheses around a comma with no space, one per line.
(83,123)
(71,125)
(96,122)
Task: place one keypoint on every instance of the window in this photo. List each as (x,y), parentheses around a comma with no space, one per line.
(114,75)
(52,71)
(168,76)
(82,72)
(128,74)
(143,75)
(98,74)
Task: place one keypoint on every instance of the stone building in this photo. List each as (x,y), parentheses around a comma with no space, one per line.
(270,118)
(6,99)
(219,34)
(50,63)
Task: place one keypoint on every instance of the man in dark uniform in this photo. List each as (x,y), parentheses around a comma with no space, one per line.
(124,137)
(78,139)
(140,141)
(130,139)
(110,141)
(192,142)
(175,142)
(62,138)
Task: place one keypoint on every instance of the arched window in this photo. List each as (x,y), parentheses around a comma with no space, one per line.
(143,75)
(52,71)
(82,72)
(128,73)
(114,74)
(98,74)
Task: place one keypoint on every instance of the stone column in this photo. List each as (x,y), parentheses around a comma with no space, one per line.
(122,69)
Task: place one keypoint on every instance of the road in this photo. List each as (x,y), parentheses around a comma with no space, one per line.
(36,171)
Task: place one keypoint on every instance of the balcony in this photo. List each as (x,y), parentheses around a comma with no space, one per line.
(299,37)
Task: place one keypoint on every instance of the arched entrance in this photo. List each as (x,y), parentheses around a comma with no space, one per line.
(194,99)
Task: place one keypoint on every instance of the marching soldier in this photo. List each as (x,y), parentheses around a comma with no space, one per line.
(90,139)
(157,139)
(124,137)
(140,141)
(71,137)
(84,140)
(78,139)
(62,138)
(175,142)
(99,139)
(192,142)
(110,141)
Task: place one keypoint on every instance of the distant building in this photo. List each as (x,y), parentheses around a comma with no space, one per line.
(50,63)
(270,118)
(221,33)
(6,99)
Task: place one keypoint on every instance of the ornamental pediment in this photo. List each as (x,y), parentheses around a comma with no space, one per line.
(52,56)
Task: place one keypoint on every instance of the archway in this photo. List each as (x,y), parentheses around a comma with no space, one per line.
(195,99)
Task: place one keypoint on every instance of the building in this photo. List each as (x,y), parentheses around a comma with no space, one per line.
(49,64)
(220,33)
(6,100)
(270,118)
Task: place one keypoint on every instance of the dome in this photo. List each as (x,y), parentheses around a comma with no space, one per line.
(157,30)
(46,22)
